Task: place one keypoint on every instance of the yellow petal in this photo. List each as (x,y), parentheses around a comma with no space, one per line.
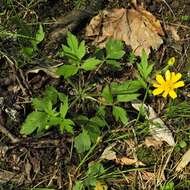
(156,85)
(165,93)
(157,91)
(168,75)
(175,77)
(179,84)
(160,79)
(172,94)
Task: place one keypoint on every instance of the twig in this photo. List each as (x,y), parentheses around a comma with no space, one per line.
(8,134)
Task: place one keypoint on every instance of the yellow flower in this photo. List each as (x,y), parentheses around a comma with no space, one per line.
(168,85)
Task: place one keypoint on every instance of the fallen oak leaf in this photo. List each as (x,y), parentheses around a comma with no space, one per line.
(136,27)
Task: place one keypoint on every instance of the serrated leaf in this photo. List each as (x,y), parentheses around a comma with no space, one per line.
(67,124)
(106,93)
(34,121)
(127,87)
(81,50)
(127,97)
(67,71)
(82,142)
(67,51)
(120,114)
(72,41)
(114,49)
(144,68)
(90,64)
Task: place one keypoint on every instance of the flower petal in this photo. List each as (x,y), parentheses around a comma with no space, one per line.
(157,91)
(175,77)
(160,79)
(179,84)
(172,94)
(166,92)
(168,75)
(156,85)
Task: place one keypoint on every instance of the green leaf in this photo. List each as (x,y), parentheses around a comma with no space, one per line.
(90,64)
(67,71)
(144,68)
(51,94)
(39,34)
(106,93)
(39,104)
(98,121)
(127,87)
(67,124)
(127,97)
(94,171)
(120,114)
(33,121)
(78,186)
(69,53)
(114,49)
(28,51)
(64,108)
(113,63)
(72,41)
(82,142)
(81,50)
(94,132)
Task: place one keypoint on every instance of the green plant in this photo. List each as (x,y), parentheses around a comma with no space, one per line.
(46,114)
(94,172)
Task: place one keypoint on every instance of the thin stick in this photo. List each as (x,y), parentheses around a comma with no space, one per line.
(8,134)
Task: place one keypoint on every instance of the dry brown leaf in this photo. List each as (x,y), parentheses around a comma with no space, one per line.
(109,154)
(184,161)
(174,33)
(136,27)
(129,161)
(151,141)
(148,176)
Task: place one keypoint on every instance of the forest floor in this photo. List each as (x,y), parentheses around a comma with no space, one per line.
(64,122)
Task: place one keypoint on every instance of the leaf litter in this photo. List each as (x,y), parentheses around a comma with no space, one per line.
(137,27)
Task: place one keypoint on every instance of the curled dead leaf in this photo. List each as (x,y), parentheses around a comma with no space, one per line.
(136,27)
(129,161)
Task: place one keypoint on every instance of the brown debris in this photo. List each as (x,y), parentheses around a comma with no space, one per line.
(136,27)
